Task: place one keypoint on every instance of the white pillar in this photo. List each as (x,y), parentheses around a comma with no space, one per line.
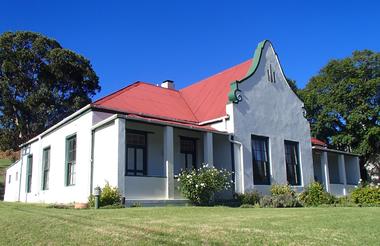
(342,173)
(121,138)
(208,148)
(325,170)
(169,161)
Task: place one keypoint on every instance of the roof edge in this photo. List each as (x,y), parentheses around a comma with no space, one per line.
(234,95)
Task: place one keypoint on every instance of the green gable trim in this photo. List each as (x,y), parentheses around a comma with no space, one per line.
(234,88)
(233,95)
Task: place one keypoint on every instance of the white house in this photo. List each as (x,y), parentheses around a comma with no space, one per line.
(245,119)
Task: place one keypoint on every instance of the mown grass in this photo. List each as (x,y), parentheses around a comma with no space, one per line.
(36,225)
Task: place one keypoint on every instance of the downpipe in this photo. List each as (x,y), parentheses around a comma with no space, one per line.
(231,139)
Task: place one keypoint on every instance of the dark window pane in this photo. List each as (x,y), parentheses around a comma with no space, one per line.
(135,139)
(261,171)
(131,159)
(136,147)
(187,145)
(139,159)
(292,163)
(71,160)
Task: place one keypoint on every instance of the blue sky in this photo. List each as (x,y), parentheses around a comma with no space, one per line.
(186,41)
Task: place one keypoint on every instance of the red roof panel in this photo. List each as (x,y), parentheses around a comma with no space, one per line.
(315,141)
(147,99)
(202,101)
(208,98)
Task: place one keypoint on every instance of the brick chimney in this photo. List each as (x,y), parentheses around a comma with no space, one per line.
(169,84)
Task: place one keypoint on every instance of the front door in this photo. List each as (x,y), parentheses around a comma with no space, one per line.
(188,153)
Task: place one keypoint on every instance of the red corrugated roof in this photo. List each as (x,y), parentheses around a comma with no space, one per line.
(146,99)
(315,141)
(202,101)
(208,98)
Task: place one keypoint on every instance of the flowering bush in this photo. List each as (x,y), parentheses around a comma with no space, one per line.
(200,185)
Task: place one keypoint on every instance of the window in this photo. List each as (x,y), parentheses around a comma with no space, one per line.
(292,163)
(188,153)
(136,153)
(71,156)
(45,168)
(260,158)
(9,179)
(16,176)
(29,169)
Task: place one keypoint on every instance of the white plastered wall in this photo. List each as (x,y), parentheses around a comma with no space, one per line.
(12,182)
(58,192)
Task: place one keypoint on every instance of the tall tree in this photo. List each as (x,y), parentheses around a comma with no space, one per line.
(40,83)
(343,103)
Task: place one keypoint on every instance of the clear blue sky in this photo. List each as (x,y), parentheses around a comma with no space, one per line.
(186,41)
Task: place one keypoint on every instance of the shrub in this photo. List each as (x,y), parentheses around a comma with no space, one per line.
(279,201)
(108,196)
(315,195)
(277,189)
(266,202)
(282,196)
(199,186)
(366,195)
(251,198)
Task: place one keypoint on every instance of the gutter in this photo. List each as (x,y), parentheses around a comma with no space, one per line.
(223,118)
(334,151)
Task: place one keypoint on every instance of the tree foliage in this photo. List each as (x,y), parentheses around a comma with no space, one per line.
(293,85)
(40,83)
(343,103)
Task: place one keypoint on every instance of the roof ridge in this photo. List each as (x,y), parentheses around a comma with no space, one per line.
(221,72)
(157,86)
(116,93)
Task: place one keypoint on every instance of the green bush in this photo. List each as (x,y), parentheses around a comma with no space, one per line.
(366,195)
(278,189)
(251,198)
(266,202)
(315,195)
(109,196)
(200,186)
(282,196)
(279,201)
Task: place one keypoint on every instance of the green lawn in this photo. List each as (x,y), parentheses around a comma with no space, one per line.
(33,225)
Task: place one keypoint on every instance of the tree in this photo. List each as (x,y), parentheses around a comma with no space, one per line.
(40,83)
(293,85)
(343,103)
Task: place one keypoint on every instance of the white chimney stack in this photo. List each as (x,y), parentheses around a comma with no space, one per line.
(169,84)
